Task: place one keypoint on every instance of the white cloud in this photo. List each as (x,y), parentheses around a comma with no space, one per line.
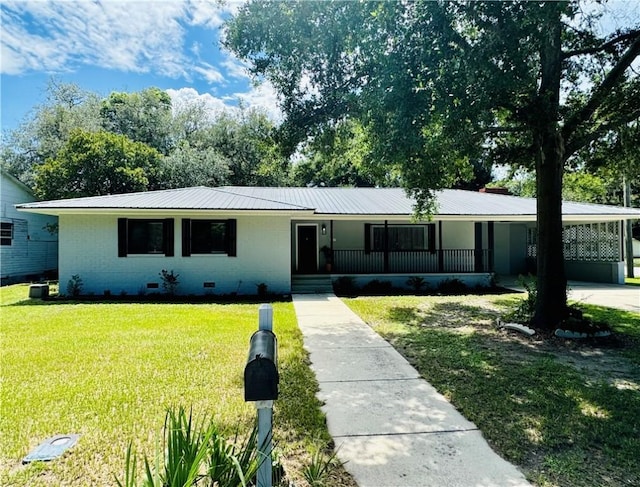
(130,36)
(262,97)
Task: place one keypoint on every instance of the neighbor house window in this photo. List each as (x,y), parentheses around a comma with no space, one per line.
(208,237)
(402,237)
(6,233)
(145,236)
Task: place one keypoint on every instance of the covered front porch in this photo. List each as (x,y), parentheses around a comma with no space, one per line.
(392,247)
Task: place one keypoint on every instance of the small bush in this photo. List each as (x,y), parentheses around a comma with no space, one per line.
(452,286)
(169,281)
(74,286)
(345,285)
(262,289)
(416,283)
(376,286)
(195,453)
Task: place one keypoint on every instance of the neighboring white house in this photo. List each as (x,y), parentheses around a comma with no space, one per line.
(230,239)
(28,247)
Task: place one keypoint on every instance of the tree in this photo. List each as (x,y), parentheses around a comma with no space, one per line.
(438,84)
(188,166)
(246,140)
(47,129)
(143,116)
(96,163)
(340,157)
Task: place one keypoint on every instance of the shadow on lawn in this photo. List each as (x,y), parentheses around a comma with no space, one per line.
(559,422)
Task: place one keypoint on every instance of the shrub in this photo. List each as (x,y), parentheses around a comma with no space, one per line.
(376,286)
(452,286)
(345,285)
(262,289)
(194,453)
(169,281)
(416,283)
(74,286)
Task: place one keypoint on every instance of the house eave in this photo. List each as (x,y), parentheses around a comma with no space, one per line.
(128,212)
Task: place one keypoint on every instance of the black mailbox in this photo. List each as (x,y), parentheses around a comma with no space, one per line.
(261,372)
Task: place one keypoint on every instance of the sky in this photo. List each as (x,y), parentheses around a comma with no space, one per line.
(117,45)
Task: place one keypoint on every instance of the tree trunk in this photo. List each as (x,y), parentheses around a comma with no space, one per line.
(628,237)
(551,304)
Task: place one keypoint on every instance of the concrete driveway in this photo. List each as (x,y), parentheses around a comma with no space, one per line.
(617,296)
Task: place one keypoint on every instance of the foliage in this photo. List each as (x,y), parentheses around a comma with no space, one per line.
(417,283)
(96,163)
(318,471)
(191,447)
(170,281)
(452,286)
(199,147)
(340,156)
(74,286)
(143,116)
(345,286)
(376,286)
(67,107)
(262,289)
(188,166)
(557,412)
(439,84)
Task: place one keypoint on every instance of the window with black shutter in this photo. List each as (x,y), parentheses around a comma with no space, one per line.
(145,236)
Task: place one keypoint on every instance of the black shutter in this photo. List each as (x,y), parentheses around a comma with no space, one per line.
(367,238)
(231,238)
(168,237)
(431,229)
(122,237)
(186,237)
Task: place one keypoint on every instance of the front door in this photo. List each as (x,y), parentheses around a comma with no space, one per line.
(307,249)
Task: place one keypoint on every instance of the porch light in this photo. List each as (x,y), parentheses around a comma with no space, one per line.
(324,229)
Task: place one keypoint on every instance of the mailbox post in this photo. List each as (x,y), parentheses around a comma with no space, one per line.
(261,386)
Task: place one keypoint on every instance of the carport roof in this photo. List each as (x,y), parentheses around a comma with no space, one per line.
(327,201)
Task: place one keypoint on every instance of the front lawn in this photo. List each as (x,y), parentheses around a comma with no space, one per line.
(109,371)
(565,413)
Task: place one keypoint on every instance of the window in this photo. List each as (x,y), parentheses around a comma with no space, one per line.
(145,236)
(403,237)
(208,237)
(6,233)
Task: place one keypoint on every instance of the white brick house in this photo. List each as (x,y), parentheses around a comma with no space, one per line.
(230,239)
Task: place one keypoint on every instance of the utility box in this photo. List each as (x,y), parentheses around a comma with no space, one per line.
(39,291)
(261,372)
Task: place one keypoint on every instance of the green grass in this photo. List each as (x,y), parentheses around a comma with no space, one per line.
(632,281)
(109,371)
(566,414)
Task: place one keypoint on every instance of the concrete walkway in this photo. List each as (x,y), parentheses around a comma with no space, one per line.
(390,426)
(617,296)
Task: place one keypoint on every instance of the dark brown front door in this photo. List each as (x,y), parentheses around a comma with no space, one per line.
(307,249)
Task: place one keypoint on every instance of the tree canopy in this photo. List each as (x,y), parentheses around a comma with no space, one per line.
(441,83)
(96,163)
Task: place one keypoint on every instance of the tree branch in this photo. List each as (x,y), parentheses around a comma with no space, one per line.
(589,137)
(603,47)
(600,94)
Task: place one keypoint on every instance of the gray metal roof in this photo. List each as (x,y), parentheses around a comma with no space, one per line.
(327,201)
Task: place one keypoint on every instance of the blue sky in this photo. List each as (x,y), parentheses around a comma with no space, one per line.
(118,45)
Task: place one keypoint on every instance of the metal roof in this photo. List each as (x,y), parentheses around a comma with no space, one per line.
(328,201)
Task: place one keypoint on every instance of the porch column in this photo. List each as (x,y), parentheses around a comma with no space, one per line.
(440,249)
(491,244)
(386,247)
(478,247)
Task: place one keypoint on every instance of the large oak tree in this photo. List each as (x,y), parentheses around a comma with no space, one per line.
(441,83)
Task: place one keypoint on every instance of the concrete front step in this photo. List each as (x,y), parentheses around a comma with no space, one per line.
(311,284)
